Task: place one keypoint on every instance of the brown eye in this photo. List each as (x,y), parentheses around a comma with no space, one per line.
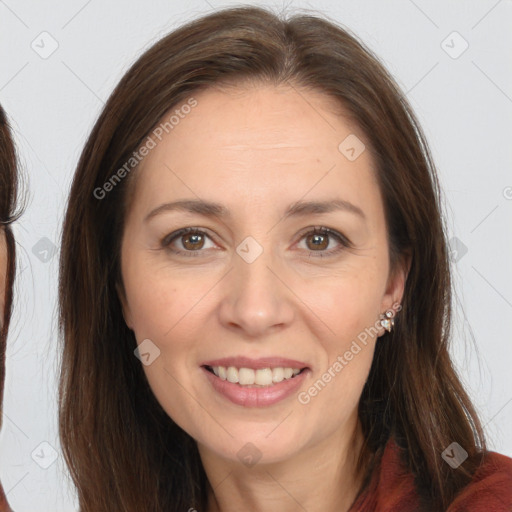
(188,242)
(192,241)
(317,241)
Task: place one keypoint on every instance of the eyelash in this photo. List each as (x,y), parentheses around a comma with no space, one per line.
(317,230)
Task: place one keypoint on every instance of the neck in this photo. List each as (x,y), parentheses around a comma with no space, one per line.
(322,477)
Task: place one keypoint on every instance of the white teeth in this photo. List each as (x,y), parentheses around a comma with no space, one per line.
(232,374)
(251,377)
(246,376)
(277,374)
(263,377)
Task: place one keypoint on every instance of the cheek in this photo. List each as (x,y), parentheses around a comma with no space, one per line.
(346,302)
(348,306)
(165,309)
(349,310)
(159,299)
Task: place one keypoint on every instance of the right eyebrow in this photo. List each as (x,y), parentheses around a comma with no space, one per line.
(200,207)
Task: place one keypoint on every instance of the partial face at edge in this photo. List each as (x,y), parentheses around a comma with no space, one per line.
(306,297)
(3,273)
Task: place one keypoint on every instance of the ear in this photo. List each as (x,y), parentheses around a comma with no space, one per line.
(396,282)
(125,308)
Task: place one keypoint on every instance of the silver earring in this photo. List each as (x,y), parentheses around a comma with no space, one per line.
(387,321)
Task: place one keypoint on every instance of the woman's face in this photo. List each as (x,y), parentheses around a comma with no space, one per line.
(256,288)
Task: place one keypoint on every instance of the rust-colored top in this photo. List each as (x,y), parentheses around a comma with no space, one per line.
(392,488)
(4,506)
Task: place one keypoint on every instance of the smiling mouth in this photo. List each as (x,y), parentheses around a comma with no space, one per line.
(254,378)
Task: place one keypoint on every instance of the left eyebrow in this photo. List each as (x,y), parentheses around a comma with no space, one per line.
(298,209)
(318,207)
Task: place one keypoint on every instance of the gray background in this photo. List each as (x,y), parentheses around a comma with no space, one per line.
(463,100)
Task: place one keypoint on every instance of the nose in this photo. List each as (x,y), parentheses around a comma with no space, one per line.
(256,300)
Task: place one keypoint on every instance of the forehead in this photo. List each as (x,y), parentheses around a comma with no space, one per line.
(282,120)
(261,143)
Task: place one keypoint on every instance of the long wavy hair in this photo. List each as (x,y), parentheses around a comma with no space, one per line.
(123,451)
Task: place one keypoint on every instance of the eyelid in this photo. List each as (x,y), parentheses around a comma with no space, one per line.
(342,240)
(325,230)
(171,237)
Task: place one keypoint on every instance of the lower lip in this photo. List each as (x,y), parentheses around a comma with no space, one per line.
(255,397)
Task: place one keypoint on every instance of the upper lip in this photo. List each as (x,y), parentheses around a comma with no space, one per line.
(263,362)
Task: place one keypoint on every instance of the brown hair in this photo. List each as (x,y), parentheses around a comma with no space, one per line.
(8,199)
(123,451)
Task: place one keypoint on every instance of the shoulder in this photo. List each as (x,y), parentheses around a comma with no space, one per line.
(393,487)
(490,489)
